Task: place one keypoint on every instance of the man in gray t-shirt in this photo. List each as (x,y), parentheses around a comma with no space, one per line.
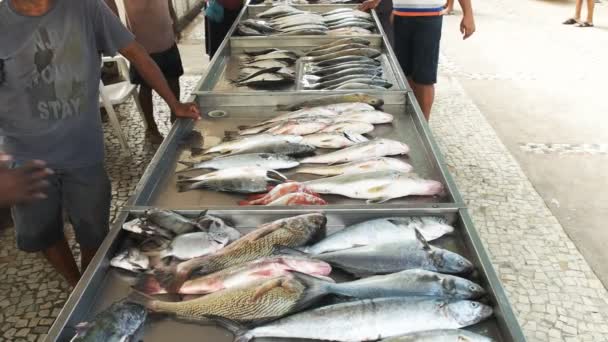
(49,92)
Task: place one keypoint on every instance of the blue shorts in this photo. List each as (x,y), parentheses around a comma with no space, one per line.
(417,47)
(83,193)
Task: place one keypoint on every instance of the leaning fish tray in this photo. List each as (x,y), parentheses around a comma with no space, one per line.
(102,284)
(159,188)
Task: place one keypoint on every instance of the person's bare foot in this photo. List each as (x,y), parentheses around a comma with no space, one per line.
(154,136)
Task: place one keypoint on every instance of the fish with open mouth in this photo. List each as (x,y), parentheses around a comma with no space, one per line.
(271,161)
(374,164)
(334,99)
(237,179)
(370,149)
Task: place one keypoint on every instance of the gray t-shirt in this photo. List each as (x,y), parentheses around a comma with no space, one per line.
(49,100)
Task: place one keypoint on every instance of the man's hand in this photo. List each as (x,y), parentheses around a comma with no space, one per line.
(467,26)
(187,111)
(23,184)
(369,5)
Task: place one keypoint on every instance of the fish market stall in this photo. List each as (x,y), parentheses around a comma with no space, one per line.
(160,187)
(104,284)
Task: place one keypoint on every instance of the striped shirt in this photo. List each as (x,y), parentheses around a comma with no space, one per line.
(418,8)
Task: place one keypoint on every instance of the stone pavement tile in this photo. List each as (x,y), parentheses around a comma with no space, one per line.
(553,291)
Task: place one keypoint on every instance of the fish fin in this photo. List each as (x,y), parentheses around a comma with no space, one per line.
(240,331)
(276,176)
(422,240)
(141,299)
(266,287)
(285,250)
(378,200)
(148,284)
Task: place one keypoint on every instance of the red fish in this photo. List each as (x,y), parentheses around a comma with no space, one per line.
(298,198)
(276,193)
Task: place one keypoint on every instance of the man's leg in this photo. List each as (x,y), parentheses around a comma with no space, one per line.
(425,95)
(578,9)
(87,195)
(145,99)
(590,9)
(39,228)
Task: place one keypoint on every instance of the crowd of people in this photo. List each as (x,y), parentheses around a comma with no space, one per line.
(49,92)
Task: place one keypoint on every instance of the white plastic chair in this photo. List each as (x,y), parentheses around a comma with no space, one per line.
(118,93)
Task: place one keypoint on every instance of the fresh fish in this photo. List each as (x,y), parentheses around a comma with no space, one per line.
(335,49)
(376,186)
(146,228)
(259,26)
(348,31)
(297,198)
(322,71)
(416,282)
(383,230)
(263,143)
(362,85)
(277,192)
(394,257)
(262,301)
(267,80)
(352,75)
(267,64)
(271,161)
(440,335)
(301,126)
(249,73)
(375,117)
(351,24)
(240,275)
(370,319)
(345,18)
(366,52)
(131,259)
(303,27)
(371,149)
(355,127)
(278,10)
(301,114)
(170,220)
(333,99)
(343,41)
(217,228)
(191,245)
(333,140)
(374,164)
(348,11)
(293,232)
(344,59)
(304,32)
(244,30)
(117,323)
(261,51)
(274,55)
(236,179)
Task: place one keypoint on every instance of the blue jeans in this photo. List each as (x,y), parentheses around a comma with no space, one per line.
(84,194)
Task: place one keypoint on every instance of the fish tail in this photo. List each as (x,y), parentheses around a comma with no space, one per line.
(241,333)
(316,288)
(148,284)
(141,299)
(276,176)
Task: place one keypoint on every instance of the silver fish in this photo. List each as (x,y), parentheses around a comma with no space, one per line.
(266,64)
(278,10)
(146,228)
(336,48)
(304,32)
(259,25)
(371,149)
(170,220)
(322,71)
(366,52)
(375,117)
(352,23)
(349,31)
(238,179)
(376,186)
(356,127)
(344,79)
(263,143)
(349,11)
(371,319)
(350,85)
(374,164)
(267,80)
(270,161)
(333,140)
(383,230)
(131,259)
(333,99)
(345,59)
(419,283)
(343,41)
(440,335)
(372,72)
(191,245)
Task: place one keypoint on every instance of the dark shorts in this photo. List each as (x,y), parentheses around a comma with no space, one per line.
(169,62)
(417,47)
(83,193)
(217,32)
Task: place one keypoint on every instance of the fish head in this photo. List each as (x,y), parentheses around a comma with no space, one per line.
(315,225)
(306,265)
(467,312)
(449,262)
(461,288)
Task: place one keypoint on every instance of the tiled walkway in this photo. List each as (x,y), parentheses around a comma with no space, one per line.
(555,294)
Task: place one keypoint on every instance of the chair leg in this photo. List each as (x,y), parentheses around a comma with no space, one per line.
(135,95)
(115,124)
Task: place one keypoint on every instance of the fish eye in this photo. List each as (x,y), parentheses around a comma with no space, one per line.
(460,262)
(474,304)
(472,288)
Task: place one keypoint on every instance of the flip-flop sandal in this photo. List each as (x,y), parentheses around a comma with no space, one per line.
(570,21)
(584,24)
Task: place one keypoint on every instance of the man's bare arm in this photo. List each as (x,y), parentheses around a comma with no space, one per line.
(173,15)
(150,72)
(467,25)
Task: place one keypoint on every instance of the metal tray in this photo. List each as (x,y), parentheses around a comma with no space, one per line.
(159,186)
(102,285)
(225,66)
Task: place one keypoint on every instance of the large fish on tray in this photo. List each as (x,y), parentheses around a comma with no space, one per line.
(374,164)
(370,319)
(259,302)
(376,186)
(293,232)
(297,198)
(271,161)
(263,143)
(383,230)
(371,149)
(240,275)
(392,257)
(238,179)
(333,99)
(118,323)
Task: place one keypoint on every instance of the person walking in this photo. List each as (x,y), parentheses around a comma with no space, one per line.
(576,19)
(417,25)
(50,51)
(154,24)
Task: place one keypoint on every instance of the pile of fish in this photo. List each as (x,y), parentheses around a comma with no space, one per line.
(268,68)
(347,63)
(357,167)
(275,282)
(284,20)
